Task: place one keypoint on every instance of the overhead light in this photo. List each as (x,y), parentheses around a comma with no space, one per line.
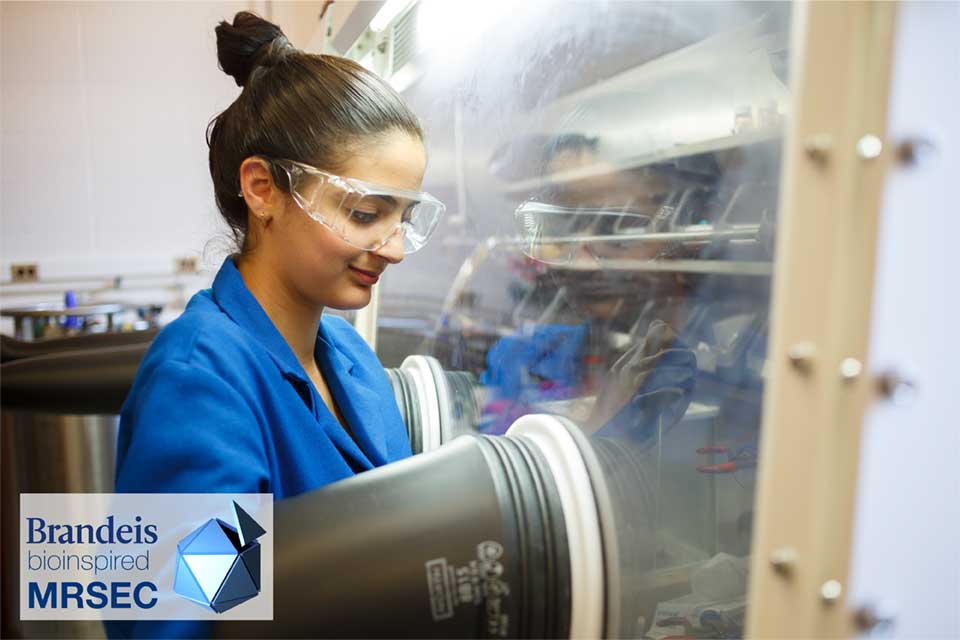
(390,10)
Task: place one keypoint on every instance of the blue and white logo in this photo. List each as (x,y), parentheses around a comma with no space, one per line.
(218,565)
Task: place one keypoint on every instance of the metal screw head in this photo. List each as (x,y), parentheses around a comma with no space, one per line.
(914,151)
(818,148)
(869,147)
(784,560)
(831,590)
(894,387)
(874,617)
(850,368)
(802,354)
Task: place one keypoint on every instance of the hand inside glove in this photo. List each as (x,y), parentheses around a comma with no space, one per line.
(650,384)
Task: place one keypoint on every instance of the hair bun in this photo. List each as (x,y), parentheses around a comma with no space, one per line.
(248,43)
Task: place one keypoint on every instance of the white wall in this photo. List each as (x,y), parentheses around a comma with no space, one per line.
(104,113)
(906,556)
(104,110)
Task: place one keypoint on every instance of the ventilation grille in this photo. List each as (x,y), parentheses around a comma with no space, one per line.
(404,39)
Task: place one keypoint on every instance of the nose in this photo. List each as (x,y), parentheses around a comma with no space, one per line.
(392,251)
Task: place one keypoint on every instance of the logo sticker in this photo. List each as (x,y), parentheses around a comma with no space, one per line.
(218,565)
(156,556)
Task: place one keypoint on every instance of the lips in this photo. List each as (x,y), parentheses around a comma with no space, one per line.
(366,277)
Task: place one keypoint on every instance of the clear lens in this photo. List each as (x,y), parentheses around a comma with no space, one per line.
(555,234)
(373,218)
(423,221)
(363,215)
(538,232)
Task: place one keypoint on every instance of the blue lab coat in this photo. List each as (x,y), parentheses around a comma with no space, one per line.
(220,404)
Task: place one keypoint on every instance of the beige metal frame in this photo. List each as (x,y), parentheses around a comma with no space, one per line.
(817,392)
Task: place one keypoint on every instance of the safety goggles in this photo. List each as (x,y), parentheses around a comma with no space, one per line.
(554,234)
(363,214)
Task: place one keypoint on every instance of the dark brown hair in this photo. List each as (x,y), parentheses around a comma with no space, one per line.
(313,108)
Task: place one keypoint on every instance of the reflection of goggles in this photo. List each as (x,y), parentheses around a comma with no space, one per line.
(365,215)
(554,234)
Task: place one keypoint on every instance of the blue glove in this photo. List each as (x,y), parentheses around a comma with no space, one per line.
(550,352)
(649,387)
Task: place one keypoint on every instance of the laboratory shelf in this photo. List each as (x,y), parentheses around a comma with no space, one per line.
(714,267)
(745,138)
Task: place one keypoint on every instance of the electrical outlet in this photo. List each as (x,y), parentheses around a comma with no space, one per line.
(23,272)
(186,264)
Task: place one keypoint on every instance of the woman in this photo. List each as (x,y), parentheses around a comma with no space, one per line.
(317,168)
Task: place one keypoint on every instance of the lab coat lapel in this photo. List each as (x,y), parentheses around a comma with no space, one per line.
(342,440)
(231,293)
(363,407)
(359,403)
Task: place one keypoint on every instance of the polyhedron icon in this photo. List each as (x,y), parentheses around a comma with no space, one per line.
(218,565)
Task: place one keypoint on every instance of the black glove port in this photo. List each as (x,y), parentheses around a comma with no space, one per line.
(509,536)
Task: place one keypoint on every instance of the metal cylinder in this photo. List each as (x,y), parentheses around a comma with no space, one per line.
(60,405)
(465,542)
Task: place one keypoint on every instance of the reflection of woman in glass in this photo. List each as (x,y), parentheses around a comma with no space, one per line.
(316,168)
(654,378)
(583,217)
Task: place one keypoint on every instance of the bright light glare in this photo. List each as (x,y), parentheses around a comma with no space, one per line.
(444,25)
(390,10)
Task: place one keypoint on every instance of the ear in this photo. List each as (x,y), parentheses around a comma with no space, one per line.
(262,195)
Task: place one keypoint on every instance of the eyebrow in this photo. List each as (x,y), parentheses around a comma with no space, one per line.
(388,199)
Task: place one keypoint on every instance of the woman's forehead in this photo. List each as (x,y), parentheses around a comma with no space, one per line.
(397,160)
